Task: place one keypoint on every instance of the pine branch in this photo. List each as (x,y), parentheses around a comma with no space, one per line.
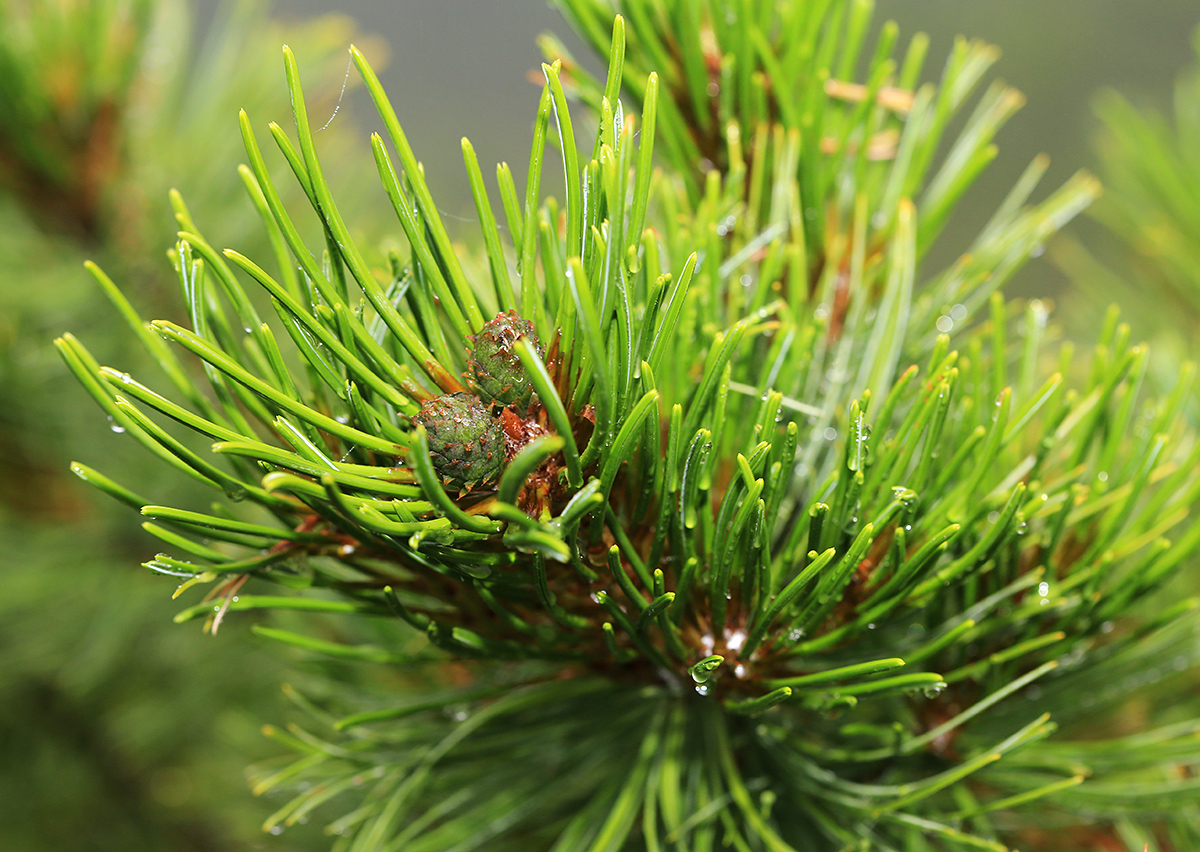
(730,469)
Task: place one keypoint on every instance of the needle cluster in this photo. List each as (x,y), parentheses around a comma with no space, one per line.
(794,543)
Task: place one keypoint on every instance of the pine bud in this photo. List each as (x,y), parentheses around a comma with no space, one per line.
(465,440)
(494,368)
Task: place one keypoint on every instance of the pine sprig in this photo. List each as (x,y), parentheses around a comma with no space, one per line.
(744,575)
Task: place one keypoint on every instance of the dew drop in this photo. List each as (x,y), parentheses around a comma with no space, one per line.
(277,829)
(1074,658)
(702,689)
(944,324)
(958,313)
(830,433)
(1043,589)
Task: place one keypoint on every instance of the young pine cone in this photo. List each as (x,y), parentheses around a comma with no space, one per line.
(494,368)
(465,441)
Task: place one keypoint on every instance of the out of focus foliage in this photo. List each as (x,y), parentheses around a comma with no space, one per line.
(1146,253)
(118,732)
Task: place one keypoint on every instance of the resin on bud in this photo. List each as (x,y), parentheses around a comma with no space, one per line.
(494,369)
(466,442)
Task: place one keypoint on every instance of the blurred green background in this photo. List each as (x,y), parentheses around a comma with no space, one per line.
(121,731)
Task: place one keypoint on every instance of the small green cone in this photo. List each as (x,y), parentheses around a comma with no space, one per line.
(465,440)
(494,368)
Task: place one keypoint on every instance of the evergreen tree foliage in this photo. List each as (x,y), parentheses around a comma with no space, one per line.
(691,511)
